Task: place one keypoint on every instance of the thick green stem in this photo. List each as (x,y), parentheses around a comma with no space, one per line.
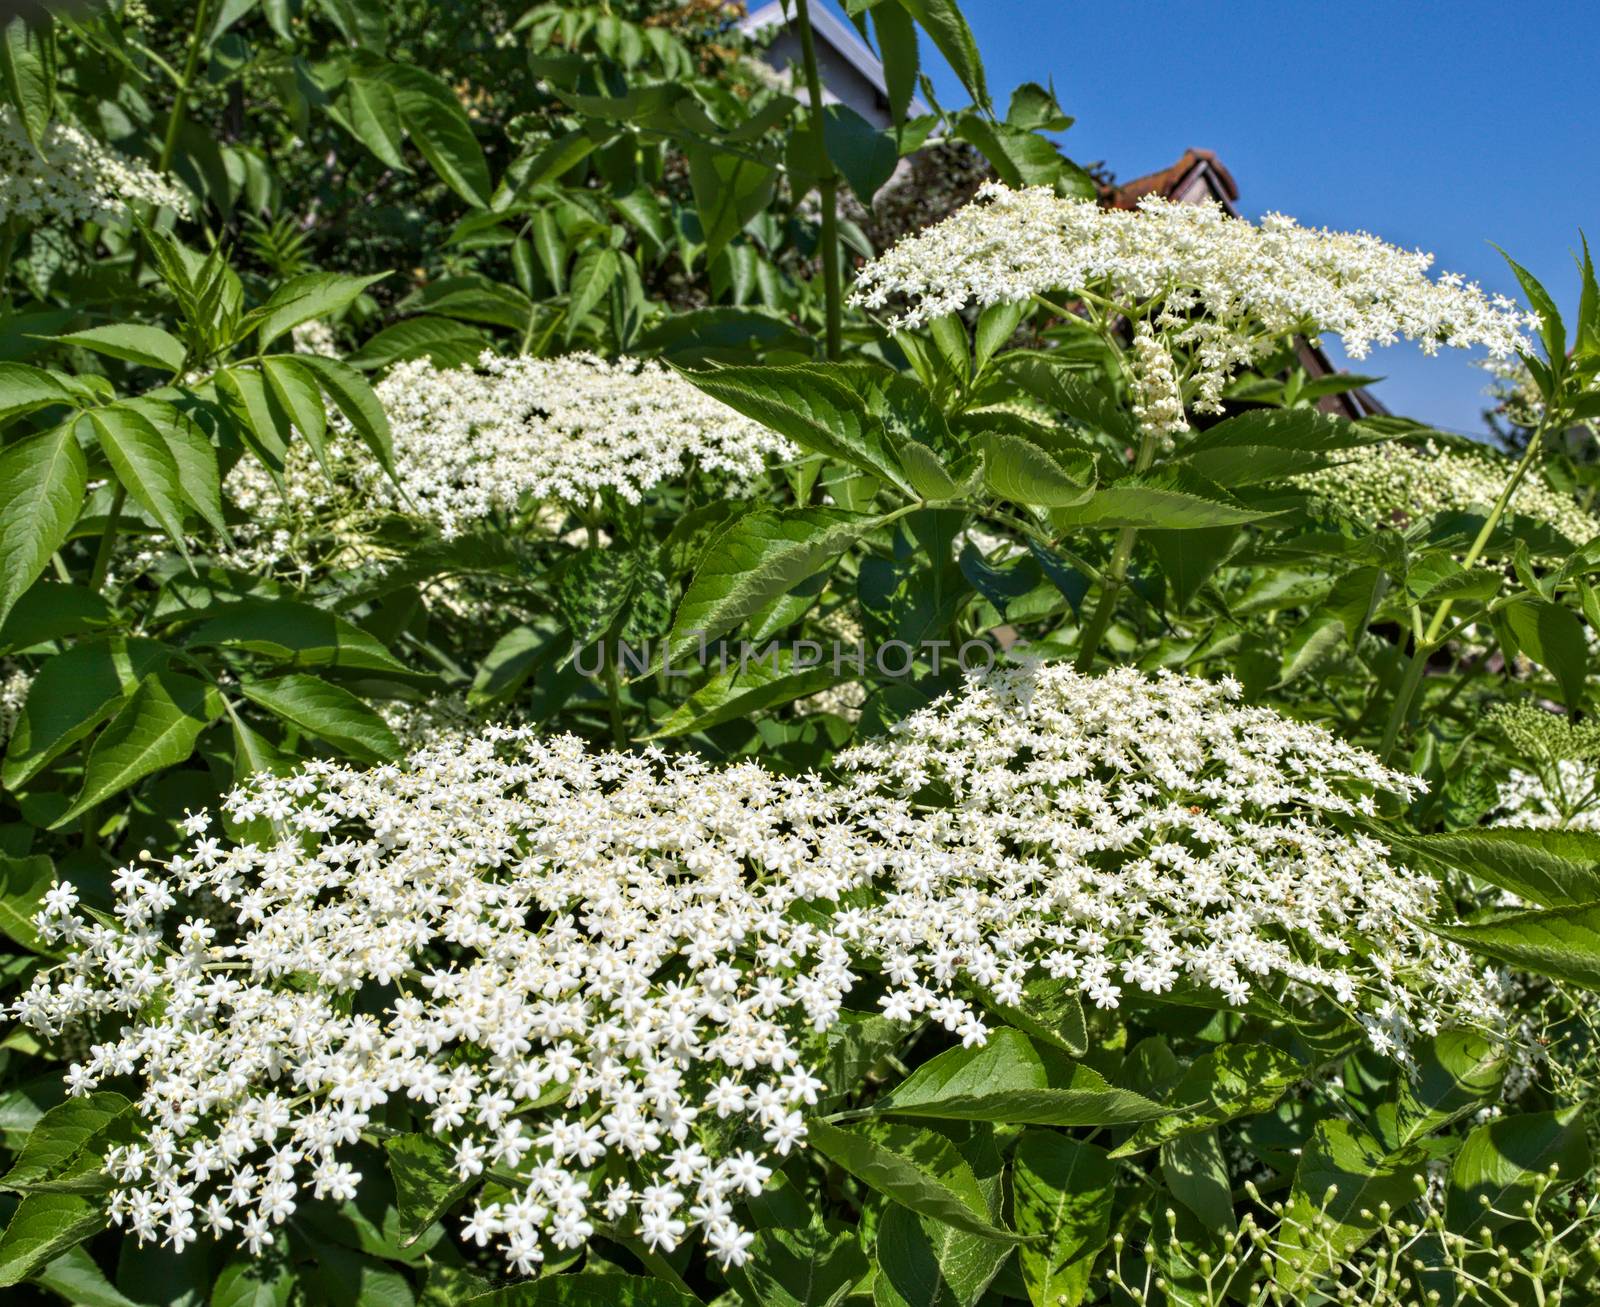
(108,541)
(1535,442)
(619,731)
(828,193)
(1115,574)
(180,99)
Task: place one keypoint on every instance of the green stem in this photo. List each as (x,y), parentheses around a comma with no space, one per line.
(1425,641)
(619,732)
(1535,442)
(1401,707)
(1116,573)
(828,191)
(180,98)
(108,541)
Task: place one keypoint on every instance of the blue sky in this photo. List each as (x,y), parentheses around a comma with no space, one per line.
(1444,126)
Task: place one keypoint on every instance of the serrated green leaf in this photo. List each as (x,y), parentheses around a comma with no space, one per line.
(327,711)
(42,484)
(134,343)
(1062,1192)
(1013,1079)
(1231,1081)
(753,560)
(1562,942)
(156,728)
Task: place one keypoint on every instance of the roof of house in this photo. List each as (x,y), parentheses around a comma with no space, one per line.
(834,32)
(1197,175)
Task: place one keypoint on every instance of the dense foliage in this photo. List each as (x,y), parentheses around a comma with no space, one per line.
(619,685)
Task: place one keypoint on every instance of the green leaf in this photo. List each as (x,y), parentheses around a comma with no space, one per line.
(68,1144)
(744,691)
(23,882)
(592,276)
(49,610)
(357,402)
(1013,1079)
(1562,942)
(1018,470)
(42,1228)
(729,190)
(1231,1081)
(246,1282)
(918,1169)
(72,694)
(1551,868)
(135,343)
(1146,504)
(76,1277)
(755,559)
(42,483)
(440,128)
(1197,1176)
(446,342)
(264,425)
(362,23)
(144,465)
(1035,109)
(863,154)
(340,1275)
(1344,1158)
(28,71)
(813,1266)
(897,44)
(327,711)
(942,20)
(586,1289)
(508,664)
(1051,1012)
(297,393)
(426,1185)
(1551,329)
(812,407)
(1190,558)
(199,477)
(1062,1191)
(294,632)
(1502,1159)
(303,299)
(1456,1071)
(1554,638)
(925,1263)
(23,389)
(1301,429)
(156,728)
(372,114)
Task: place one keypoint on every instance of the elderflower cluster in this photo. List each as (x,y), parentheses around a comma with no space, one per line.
(15,682)
(1157,396)
(602,981)
(1394,483)
(1223,287)
(73,178)
(1563,796)
(470,442)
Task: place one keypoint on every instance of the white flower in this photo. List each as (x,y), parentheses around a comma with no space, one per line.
(472,442)
(73,177)
(567,961)
(1221,286)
